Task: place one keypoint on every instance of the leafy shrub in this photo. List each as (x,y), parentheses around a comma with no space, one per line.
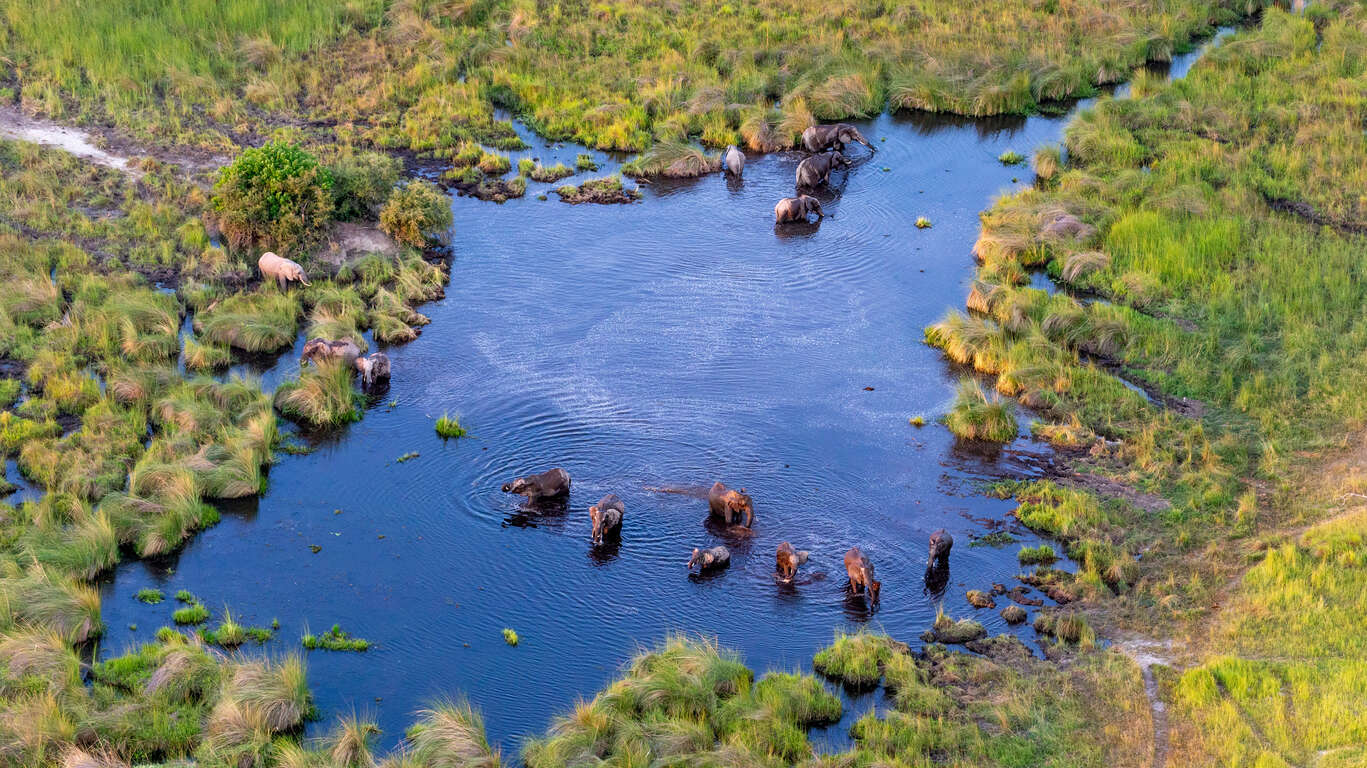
(415,212)
(361,184)
(275,196)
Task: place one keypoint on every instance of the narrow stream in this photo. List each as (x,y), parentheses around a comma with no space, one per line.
(670,343)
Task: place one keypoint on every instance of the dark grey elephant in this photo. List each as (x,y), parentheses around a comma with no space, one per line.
(816,170)
(374,368)
(549,485)
(940,544)
(797,208)
(715,558)
(819,138)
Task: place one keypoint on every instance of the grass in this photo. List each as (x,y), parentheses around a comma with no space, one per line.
(673,160)
(150,596)
(1041,555)
(509,636)
(335,639)
(922,222)
(322,396)
(194,613)
(976,417)
(605,191)
(856,660)
(449,426)
(1011,157)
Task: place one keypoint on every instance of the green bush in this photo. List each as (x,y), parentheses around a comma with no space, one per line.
(362,183)
(275,196)
(416,212)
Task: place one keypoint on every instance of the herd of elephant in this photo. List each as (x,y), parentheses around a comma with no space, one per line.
(374,368)
(812,172)
(731,508)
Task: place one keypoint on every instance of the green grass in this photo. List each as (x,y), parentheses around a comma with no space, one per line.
(977,417)
(509,636)
(335,639)
(605,191)
(1041,555)
(322,396)
(922,222)
(150,596)
(1011,157)
(856,660)
(449,426)
(194,613)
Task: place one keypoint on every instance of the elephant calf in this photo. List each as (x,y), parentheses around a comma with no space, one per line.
(551,484)
(606,516)
(816,170)
(280,269)
(819,138)
(797,208)
(730,506)
(733,160)
(940,544)
(374,368)
(713,559)
(318,350)
(788,560)
(861,575)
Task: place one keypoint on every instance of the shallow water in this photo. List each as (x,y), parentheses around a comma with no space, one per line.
(670,343)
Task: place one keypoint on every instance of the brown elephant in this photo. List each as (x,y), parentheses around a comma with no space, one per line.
(730,505)
(940,544)
(319,350)
(860,570)
(819,138)
(551,484)
(713,559)
(733,160)
(797,208)
(374,368)
(281,269)
(606,517)
(788,560)
(816,170)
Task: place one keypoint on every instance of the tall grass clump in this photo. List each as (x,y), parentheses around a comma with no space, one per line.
(416,214)
(449,426)
(673,160)
(322,396)
(856,660)
(975,416)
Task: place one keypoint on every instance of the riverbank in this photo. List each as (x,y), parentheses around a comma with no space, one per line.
(1209,257)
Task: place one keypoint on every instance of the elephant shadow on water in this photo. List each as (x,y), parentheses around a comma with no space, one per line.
(857,607)
(792,230)
(937,579)
(539,514)
(736,536)
(607,551)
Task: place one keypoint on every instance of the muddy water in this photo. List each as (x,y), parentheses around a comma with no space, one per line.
(664,344)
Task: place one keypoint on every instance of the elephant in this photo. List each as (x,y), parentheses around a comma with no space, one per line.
(713,559)
(788,560)
(861,575)
(730,505)
(797,208)
(940,544)
(374,368)
(816,170)
(551,484)
(733,160)
(819,138)
(282,269)
(606,516)
(319,350)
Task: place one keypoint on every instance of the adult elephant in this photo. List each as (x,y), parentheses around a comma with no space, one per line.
(374,369)
(280,269)
(819,138)
(797,208)
(731,507)
(319,350)
(733,160)
(816,170)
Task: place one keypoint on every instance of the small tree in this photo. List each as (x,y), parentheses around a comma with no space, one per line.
(362,183)
(415,213)
(275,196)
